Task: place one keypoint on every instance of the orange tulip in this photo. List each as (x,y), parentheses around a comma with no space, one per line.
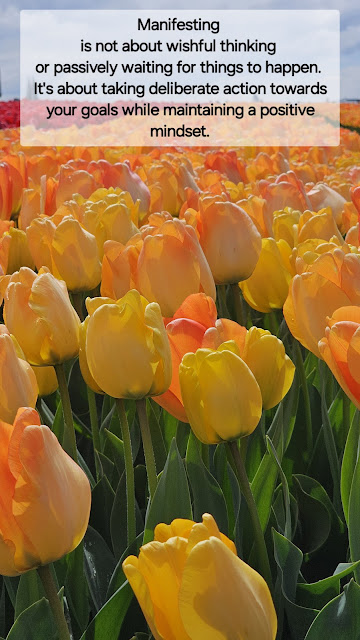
(229,238)
(165,246)
(185,331)
(18,385)
(340,348)
(38,312)
(46,497)
(332,281)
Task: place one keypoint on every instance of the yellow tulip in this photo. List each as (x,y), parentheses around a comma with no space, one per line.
(67,249)
(46,379)
(38,312)
(14,250)
(268,286)
(221,397)
(18,386)
(191,585)
(46,497)
(84,367)
(110,214)
(127,348)
(274,371)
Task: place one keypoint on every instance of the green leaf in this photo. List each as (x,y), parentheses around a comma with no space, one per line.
(30,590)
(157,440)
(76,587)
(350,457)
(101,504)
(118,577)
(340,619)
(318,594)
(330,443)
(354,517)
(289,559)
(207,494)
(118,519)
(264,482)
(172,495)
(34,623)
(108,621)
(285,487)
(314,515)
(99,565)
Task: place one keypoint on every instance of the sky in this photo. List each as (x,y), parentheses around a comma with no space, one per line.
(349,17)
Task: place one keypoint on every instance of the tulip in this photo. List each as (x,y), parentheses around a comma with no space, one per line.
(185,331)
(285,226)
(229,238)
(220,394)
(38,312)
(110,214)
(165,246)
(263,353)
(318,225)
(274,372)
(18,386)
(321,196)
(67,249)
(46,380)
(191,584)
(268,286)
(340,348)
(127,349)
(46,497)
(331,282)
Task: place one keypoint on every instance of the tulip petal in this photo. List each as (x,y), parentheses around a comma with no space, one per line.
(161,565)
(51,502)
(221,597)
(140,588)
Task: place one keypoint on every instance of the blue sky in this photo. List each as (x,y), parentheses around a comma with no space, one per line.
(350,30)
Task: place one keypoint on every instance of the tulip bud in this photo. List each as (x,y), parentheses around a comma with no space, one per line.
(229,239)
(45,496)
(329,283)
(68,250)
(127,349)
(46,379)
(268,285)
(18,386)
(273,370)
(220,394)
(38,312)
(165,246)
(191,579)
(340,348)
(185,331)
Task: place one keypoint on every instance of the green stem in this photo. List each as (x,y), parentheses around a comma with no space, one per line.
(77,304)
(54,601)
(239,312)
(69,442)
(306,397)
(346,415)
(94,429)
(224,312)
(244,484)
(129,471)
(273,323)
(147,444)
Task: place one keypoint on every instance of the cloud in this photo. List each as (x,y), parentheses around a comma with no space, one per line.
(350,24)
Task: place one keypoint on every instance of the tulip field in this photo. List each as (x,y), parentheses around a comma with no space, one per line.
(179,391)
